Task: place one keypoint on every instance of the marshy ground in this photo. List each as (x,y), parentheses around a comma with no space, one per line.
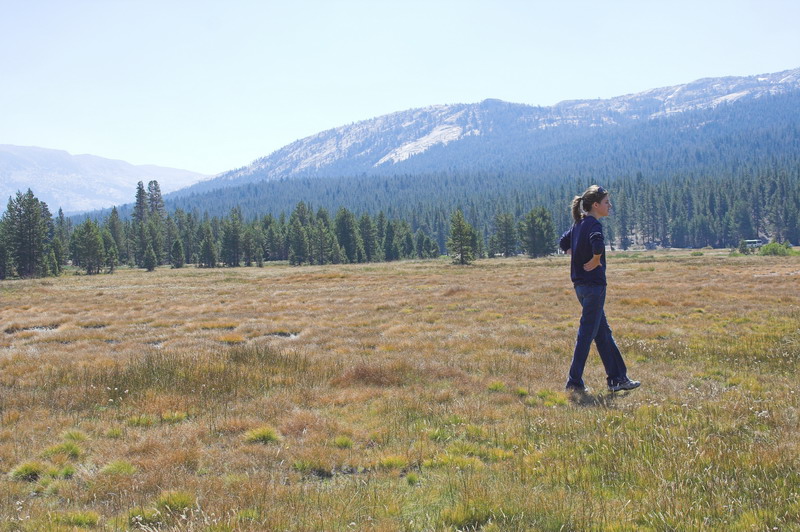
(401,396)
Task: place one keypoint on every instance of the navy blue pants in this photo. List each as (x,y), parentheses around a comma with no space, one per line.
(594,327)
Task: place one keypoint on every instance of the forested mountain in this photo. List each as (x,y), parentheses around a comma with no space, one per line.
(721,145)
(546,142)
(78,183)
(744,153)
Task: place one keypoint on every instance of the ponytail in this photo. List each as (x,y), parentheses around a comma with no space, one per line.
(577,215)
(581,205)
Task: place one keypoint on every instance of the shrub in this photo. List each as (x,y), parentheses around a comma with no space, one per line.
(263,435)
(776,249)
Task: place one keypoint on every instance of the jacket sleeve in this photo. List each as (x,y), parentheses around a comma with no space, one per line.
(596,239)
(566,241)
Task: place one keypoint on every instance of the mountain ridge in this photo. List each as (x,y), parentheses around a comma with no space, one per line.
(385,144)
(77,183)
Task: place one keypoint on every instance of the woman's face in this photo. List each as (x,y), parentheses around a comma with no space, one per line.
(600,208)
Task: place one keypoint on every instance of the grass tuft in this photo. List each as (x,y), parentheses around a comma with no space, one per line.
(141,420)
(69,449)
(174,417)
(175,501)
(264,435)
(119,467)
(75,436)
(29,471)
(343,442)
(85,519)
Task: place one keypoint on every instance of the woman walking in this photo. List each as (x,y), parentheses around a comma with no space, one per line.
(584,242)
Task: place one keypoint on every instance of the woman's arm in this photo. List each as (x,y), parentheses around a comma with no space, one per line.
(592,264)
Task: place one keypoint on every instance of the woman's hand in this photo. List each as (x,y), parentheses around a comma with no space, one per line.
(592,264)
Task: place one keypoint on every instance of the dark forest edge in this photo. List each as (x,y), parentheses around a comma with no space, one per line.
(34,244)
(684,212)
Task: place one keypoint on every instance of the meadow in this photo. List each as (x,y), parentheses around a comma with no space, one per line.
(401,396)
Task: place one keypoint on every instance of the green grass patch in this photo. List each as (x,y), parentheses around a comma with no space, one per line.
(175,501)
(141,421)
(69,449)
(84,519)
(263,435)
(29,471)
(119,467)
(174,417)
(343,442)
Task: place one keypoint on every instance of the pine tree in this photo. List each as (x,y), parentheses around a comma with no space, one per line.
(252,244)
(272,245)
(116,229)
(538,233)
(348,235)
(461,239)
(505,235)
(208,247)
(621,217)
(111,253)
(391,250)
(141,234)
(29,230)
(380,233)
(150,261)
(155,203)
(369,237)
(298,243)
(5,257)
(177,256)
(232,238)
(60,244)
(87,247)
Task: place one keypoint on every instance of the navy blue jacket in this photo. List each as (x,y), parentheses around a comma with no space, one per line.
(585,239)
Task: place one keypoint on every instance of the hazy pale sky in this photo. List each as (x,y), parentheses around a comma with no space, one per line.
(210,85)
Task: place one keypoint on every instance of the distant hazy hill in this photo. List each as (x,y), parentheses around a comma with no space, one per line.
(79,182)
(496,136)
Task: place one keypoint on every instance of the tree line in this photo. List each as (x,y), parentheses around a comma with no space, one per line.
(34,244)
(392,218)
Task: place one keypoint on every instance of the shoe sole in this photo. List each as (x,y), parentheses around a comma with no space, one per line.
(626,389)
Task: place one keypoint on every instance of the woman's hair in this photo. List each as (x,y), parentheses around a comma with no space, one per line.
(581,205)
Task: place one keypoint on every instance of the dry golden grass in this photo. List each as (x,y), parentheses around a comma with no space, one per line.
(411,396)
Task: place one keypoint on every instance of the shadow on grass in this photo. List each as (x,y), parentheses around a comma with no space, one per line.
(602,399)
